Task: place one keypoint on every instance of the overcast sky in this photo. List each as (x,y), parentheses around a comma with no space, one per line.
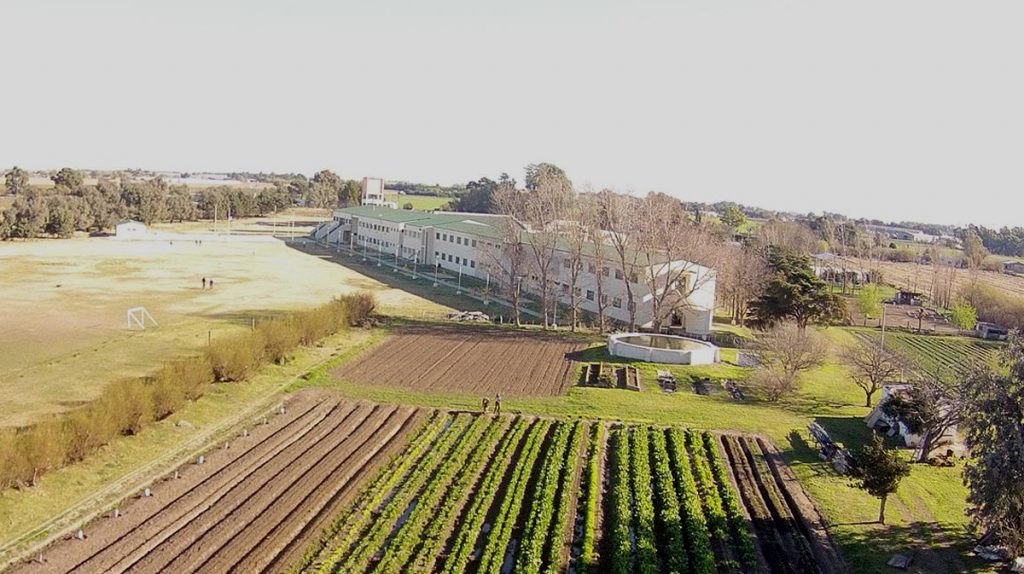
(888,109)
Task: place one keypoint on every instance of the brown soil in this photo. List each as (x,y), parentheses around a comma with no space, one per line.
(250,507)
(468,359)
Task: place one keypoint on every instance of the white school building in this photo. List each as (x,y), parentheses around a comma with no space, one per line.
(468,242)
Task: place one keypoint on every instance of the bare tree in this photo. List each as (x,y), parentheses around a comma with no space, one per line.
(741,275)
(620,221)
(543,207)
(507,259)
(872,366)
(577,238)
(782,354)
(792,234)
(596,243)
(676,255)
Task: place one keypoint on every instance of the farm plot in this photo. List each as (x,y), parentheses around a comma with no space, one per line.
(940,356)
(468,359)
(253,504)
(481,493)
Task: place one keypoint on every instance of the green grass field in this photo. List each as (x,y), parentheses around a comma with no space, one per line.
(419,202)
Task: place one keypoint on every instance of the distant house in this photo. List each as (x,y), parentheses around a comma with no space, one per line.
(992,331)
(130,229)
(1013,267)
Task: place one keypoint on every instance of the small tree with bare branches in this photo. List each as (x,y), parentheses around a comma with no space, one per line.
(872,366)
(782,354)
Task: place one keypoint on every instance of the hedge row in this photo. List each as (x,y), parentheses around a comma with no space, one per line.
(125,407)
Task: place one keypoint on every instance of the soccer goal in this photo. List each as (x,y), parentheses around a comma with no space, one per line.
(137,318)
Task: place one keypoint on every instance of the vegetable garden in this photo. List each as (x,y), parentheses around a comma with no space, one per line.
(480,493)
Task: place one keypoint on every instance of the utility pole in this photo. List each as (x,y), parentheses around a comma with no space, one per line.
(883,326)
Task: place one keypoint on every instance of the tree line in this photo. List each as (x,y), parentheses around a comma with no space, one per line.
(71,205)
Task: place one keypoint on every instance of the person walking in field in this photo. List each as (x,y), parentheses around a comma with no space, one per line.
(497,404)
(485,403)
(204,283)
(211,284)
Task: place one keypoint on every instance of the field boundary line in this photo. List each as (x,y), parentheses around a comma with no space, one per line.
(100,501)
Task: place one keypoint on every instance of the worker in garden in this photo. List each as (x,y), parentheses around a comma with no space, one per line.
(497,404)
(485,402)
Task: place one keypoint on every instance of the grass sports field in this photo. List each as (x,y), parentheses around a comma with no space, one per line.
(419,202)
(65,331)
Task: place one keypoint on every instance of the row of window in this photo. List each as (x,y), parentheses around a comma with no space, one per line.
(456,259)
(458,240)
(616,301)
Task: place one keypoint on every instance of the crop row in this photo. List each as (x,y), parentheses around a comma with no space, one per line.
(670,522)
(556,536)
(542,509)
(501,532)
(481,502)
(370,496)
(409,534)
(591,485)
(368,541)
(443,516)
(698,541)
(618,528)
(643,503)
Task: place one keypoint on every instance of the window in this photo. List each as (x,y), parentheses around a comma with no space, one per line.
(604,271)
(565,289)
(604,299)
(618,274)
(566,263)
(458,261)
(458,240)
(633,278)
(444,237)
(474,243)
(449,258)
(590,295)
(617,303)
(591,268)
(472,264)
(438,235)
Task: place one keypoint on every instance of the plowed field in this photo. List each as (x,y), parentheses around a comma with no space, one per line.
(467,359)
(251,507)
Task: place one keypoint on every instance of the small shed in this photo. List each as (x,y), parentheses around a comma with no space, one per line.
(1013,267)
(992,331)
(129,229)
(908,298)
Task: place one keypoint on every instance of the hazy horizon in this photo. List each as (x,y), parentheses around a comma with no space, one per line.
(899,112)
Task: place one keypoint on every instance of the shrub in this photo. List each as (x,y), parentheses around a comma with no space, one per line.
(42,449)
(280,337)
(87,430)
(360,306)
(234,359)
(9,455)
(167,396)
(132,404)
